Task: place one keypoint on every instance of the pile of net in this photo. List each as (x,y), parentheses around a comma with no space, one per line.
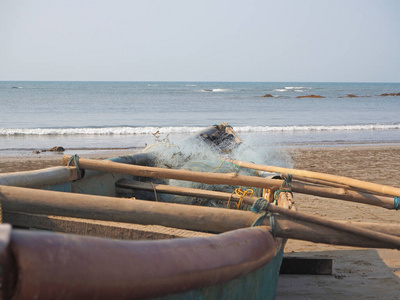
(203,152)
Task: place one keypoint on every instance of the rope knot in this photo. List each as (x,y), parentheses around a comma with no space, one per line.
(287,179)
(261,206)
(242,194)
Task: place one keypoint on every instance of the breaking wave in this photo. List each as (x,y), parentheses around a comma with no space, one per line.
(126,130)
(317,128)
(293,89)
(215,90)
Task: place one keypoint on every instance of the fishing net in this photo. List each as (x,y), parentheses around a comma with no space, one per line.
(205,152)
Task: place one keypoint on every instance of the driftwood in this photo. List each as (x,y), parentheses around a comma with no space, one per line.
(232,179)
(187,217)
(373,187)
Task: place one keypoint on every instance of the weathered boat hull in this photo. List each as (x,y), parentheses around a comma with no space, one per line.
(239,264)
(235,265)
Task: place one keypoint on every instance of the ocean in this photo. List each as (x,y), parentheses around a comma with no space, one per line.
(125,115)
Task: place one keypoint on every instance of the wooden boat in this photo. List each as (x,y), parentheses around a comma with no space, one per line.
(143,249)
(131,248)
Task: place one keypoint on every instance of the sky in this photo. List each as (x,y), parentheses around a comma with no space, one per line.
(150,40)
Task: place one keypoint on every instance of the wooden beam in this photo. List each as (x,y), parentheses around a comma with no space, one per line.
(369,186)
(97,228)
(392,229)
(187,217)
(231,179)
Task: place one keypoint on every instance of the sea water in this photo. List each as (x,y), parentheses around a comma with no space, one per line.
(105,115)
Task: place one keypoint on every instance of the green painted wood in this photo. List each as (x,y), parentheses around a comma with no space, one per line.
(260,284)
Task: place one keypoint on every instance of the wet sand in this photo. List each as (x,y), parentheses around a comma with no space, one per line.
(357,272)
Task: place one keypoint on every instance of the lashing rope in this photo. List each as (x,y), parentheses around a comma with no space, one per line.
(396,203)
(75,159)
(286,187)
(261,206)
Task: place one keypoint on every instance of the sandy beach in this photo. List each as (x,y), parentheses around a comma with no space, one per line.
(357,273)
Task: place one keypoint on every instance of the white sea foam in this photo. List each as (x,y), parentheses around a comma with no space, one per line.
(180,129)
(294,87)
(215,90)
(96,131)
(317,128)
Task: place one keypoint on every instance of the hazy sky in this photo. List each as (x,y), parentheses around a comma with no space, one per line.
(200,40)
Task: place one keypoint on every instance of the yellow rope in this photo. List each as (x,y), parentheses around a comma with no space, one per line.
(241,194)
(154,188)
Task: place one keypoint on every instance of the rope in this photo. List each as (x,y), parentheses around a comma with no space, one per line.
(75,159)
(261,206)
(396,203)
(229,200)
(241,194)
(278,192)
(221,126)
(155,193)
(287,179)
(286,187)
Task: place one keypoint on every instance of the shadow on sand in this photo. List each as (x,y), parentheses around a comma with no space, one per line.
(357,274)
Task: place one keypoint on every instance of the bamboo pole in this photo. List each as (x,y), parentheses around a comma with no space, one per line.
(337,185)
(373,187)
(342,194)
(183,191)
(231,179)
(182,216)
(155,172)
(38,178)
(393,229)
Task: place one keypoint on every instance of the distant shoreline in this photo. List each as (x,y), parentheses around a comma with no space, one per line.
(105,151)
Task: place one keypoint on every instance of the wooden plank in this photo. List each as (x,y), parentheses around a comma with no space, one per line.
(104,229)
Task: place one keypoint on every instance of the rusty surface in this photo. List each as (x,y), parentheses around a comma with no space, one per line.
(60,266)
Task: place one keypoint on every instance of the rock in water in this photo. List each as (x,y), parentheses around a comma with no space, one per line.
(310,96)
(55,149)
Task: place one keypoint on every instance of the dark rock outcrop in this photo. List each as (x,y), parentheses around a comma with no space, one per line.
(389,94)
(310,96)
(55,149)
